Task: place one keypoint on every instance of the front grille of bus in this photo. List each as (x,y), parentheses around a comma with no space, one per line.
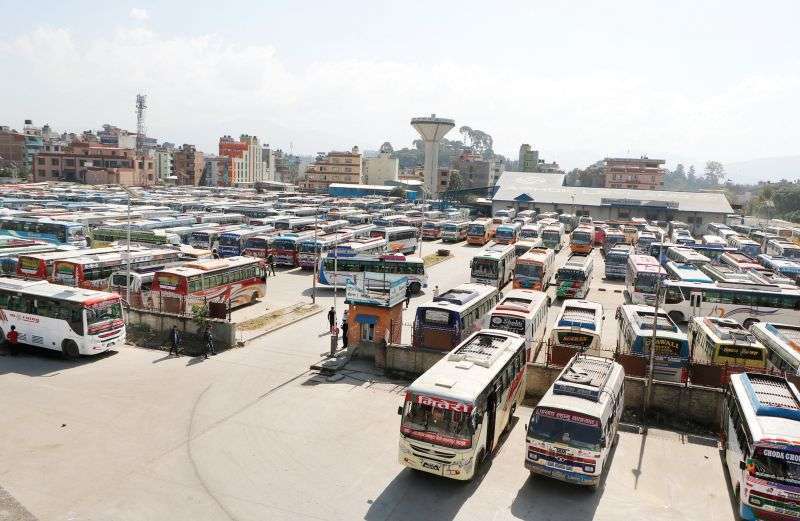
(430,452)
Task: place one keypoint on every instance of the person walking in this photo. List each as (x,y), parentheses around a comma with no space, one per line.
(436,291)
(345,327)
(408,296)
(11,339)
(209,338)
(175,340)
(271,263)
(331,319)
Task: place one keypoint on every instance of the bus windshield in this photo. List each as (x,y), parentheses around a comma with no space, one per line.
(581,237)
(575,430)
(550,235)
(484,267)
(103,312)
(617,258)
(777,465)
(476,229)
(437,425)
(529,234)
(646,282)
(229,240)
(529,270)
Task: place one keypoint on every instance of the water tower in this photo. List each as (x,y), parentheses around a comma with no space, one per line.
(432,130)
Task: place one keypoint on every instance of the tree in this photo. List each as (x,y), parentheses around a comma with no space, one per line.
(398,191)
(680,171)
(200,316)
(714,172)
(456,182)
(691,177)
(466,133)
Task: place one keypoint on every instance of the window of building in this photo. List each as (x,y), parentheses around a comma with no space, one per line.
(40,160)
(41,171)
(54,161)
(113,152)
(69,162)
(622,214)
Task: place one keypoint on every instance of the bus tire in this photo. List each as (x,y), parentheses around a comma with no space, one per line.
(749,322)
(676,316)
(69,350)
(254,298)
(415,287)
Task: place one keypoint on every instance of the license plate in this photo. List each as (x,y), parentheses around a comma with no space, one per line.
(431,466)
(560,466)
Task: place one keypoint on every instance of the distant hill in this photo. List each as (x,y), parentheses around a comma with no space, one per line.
(764,169)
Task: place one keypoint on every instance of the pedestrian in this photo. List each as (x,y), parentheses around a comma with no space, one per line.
(345,327)
(175,340)
(408,296)
(331,319)
(436,291)
(11,339)
(271,263)
(215,253)
(209,338)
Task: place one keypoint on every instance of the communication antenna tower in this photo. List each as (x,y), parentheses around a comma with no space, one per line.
(141,106)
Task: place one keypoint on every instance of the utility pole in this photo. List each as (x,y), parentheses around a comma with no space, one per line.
(651,362)
(128,249)
(316,263)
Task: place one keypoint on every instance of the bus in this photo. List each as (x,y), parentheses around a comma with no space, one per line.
(220,218)
(570,221)
(714,241)
(725,342)
(44,229)
(643,241)
(683,255)
(523,247)
(744,245)
(478,232)
(233,281)
(582,240)
(40,265)
(285,247)
(509,213)
(529,232)
(507,233)
(713,252)
(359,230)
(310,250)
(761,445)
(553,237)
(399,239)
(295,224)
(141,284)
(782,248)
(209,239)
(9,257)
(534,269)
(387,221)
(617,261)
(454,231)
(260,245)
(445,321)
(493,266)
(573,428)
(92,271)
(635,325)
(73,321)
(432,230)
(373,272)
(579,325)
(785,267)
(361,246)
(740,262)
(145,237)
(524,312)
(599,234)
(495,222)
(328,227)
(716,228)
(453,415)
(682,237)
(574,277)
(641,278)
(782,342)
(686,272)
(611,239)
(232,243)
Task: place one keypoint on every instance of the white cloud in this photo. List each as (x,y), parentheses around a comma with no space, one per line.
(138,14)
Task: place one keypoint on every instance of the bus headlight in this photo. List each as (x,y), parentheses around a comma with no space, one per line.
(532,456)
(589,469)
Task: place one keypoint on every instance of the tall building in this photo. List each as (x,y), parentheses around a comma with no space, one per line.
(637,174)
(12,148)
(247,165)
(217,171)
(286,167)
(476,171)
(188,164)
(268,163)
(163,158)
(91,163)
(529,161)
(382,168)
(334,167)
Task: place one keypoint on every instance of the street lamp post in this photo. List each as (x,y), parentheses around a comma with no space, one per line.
(128,248)
(316,263)
(651,361)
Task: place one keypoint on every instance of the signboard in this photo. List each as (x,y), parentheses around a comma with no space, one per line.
(574,339)
(664,346)
(442,403)
(613,201)
(569,417)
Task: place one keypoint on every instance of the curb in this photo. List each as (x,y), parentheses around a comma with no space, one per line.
(268,331)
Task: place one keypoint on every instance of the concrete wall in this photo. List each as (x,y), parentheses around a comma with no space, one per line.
(161,323)
(402,359)
(678,402)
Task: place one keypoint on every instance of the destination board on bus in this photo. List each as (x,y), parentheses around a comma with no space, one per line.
(743,352)
(513,324)
(664,346)
(574,339)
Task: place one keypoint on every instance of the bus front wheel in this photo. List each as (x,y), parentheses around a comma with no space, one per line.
(69,349)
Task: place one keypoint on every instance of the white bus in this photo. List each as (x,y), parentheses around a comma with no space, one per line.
(635,326)
(579,325)
(529,232)
(361,246)
(454,414)
(782,342)
(74,321)
(494,266)
(401,239)
(446,320)
(641,278)
(782,248)
(372,271)
(574,426)
(524,312)
(761,444)
(553,236)
(745,302)
(454,231)
(684,255)
(574,278)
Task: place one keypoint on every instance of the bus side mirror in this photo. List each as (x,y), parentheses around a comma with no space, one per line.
(400,410)
(603,442)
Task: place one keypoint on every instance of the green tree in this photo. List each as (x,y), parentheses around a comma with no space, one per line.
(714,172)
(456,181)
(200,316)
(398,191)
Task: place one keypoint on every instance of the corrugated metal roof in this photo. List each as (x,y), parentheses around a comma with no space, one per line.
(547,188)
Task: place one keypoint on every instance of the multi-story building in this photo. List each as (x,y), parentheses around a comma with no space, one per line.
(268,163)
(334,167)
(380,169)
(637,174)
(12,147)
(163,158)
(247,165)
(217,171)
(94,164)
(287,167)
(476,171)
(188,165)
(529,161)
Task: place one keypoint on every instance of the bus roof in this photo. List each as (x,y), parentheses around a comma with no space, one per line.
(782,338)
(469,369)
(726,331)
(770,405)
(461,297)
(580,313)
(42,288)
(143,253)
(520,301)
(687,272)
(535,255)
(202,266)
(585,386)
(641,318)
(496,251)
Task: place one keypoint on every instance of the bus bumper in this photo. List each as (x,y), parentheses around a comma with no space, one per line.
(452,471)
(562,475)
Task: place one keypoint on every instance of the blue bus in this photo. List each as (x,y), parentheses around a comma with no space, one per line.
(686,272)
(231,243)
(617,261)
(44,229)
(635,336)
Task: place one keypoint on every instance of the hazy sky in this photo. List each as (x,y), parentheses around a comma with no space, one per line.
(579,80)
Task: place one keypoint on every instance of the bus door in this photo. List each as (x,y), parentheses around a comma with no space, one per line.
(696,303)
(491,419)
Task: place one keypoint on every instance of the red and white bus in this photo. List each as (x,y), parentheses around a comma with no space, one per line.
(234,281)
(75,322)
(260,245)
(311,250)
(401,239)
(285,247)
(40,265)
(93,271)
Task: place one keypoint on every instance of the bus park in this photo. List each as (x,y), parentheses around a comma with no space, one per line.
(551,345)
